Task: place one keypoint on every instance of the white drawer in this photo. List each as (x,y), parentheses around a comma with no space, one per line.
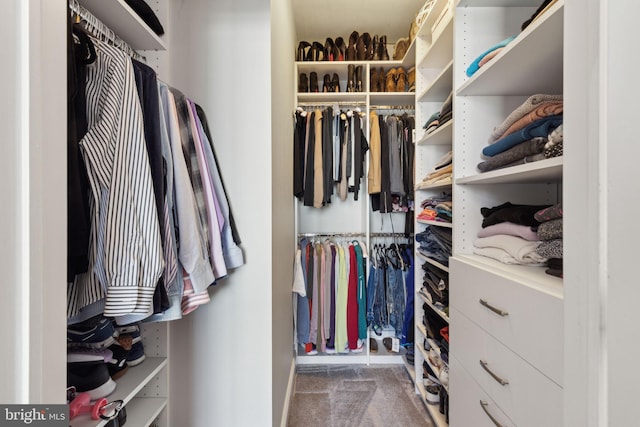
(528,397)
(532,320)
(468,403)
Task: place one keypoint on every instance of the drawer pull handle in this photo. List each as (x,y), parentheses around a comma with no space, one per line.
(493,375)
(486,411)
(492,308)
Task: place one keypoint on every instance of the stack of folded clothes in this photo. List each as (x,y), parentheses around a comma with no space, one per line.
(508,234)
(437,208)
(435,244)
(532,132)
(435,286)
(442,171)
(550,233)
(441,117)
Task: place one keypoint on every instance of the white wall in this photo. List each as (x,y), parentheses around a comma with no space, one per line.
(221,356)
(33,208)
(283,44)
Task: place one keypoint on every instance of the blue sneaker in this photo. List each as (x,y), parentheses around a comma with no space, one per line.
(97,332)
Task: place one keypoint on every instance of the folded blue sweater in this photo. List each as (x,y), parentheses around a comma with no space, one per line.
(475,64)
(541,127)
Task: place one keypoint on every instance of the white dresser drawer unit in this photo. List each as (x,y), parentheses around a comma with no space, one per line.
(525,395)
(469,405)
(522,316)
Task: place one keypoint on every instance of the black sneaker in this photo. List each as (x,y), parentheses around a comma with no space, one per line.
(90,377)
(118,364)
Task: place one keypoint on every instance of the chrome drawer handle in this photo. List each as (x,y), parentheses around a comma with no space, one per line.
(495,377)
(486,411)
(492,308)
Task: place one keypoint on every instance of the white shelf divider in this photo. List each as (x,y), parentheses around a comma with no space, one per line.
(439,312)
(439,53)
(441,86)
(436,223)
(548,170)
(441,136)
(438,186)
(432,262)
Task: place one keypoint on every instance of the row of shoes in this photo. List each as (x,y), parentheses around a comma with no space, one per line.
(99,352)
(361,47)
(436,388)
(394,80)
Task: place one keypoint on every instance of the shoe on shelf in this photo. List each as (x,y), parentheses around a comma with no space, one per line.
(400,48)
(373,345)
(310,349)
(326,86)
(136,355)
(121,349)
(429,373)
(335,82)
(342,49)
(373,80)
(303,83)
(390,85)
(313,84)
(382,47)
(444,376)
(359,347)
(97,332)
(351,49)
(351,84)
(432,393)
(401,80)
(303,49)
(90,377)
(359,84)
(411,79)
(75,355)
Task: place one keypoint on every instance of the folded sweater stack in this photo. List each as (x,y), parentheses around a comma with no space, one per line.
(442,171)
(439,118)
(508,235)
(532,132)
(436,209)
(550,233)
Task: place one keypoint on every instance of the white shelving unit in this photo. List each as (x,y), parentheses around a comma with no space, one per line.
(351,216)
(434,83)
(143,388)
(486,293)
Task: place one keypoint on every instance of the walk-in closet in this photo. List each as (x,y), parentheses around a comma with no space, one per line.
(400,194)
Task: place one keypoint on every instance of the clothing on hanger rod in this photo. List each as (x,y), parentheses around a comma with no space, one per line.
(97,28)
(392,107)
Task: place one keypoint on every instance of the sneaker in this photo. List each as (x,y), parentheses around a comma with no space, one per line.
(429,373)
(444,376)
(90,377)
(118,365)
(97,332)
(75,355)
(373,345)
(136,355)
(432,394)
(359,347)
(310,349)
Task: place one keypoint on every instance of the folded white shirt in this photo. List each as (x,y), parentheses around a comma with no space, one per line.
(521,250)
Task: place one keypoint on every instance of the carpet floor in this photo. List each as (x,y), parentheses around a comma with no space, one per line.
(355,395)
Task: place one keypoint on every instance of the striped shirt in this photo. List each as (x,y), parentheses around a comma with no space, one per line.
(126,255)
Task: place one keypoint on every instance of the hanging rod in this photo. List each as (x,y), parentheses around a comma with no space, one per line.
(96,27)
(392,107)
(331,104)
(340,234)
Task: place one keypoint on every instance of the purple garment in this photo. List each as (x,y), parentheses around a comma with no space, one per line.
(315,301)
(511,229)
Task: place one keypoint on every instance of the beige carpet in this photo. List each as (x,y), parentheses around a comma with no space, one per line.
(355,395)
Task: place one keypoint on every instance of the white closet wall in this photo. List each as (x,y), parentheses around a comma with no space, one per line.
(231,359)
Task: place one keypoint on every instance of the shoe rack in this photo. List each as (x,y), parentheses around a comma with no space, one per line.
(434,83)
(144,388)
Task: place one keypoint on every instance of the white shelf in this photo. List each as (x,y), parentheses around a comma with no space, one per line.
(333,97)
(409,59)
(537,73)
(440,52)
(432,409)
(499,3)
(548,170)
(411,369)
(441,86)
(438,186)
(435,223)
(142,411)
(422,330)
(532,276)
(439,312)
(127,388)
(441,136)
(391,98)
(435,369)
(119,17)
(432,262)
